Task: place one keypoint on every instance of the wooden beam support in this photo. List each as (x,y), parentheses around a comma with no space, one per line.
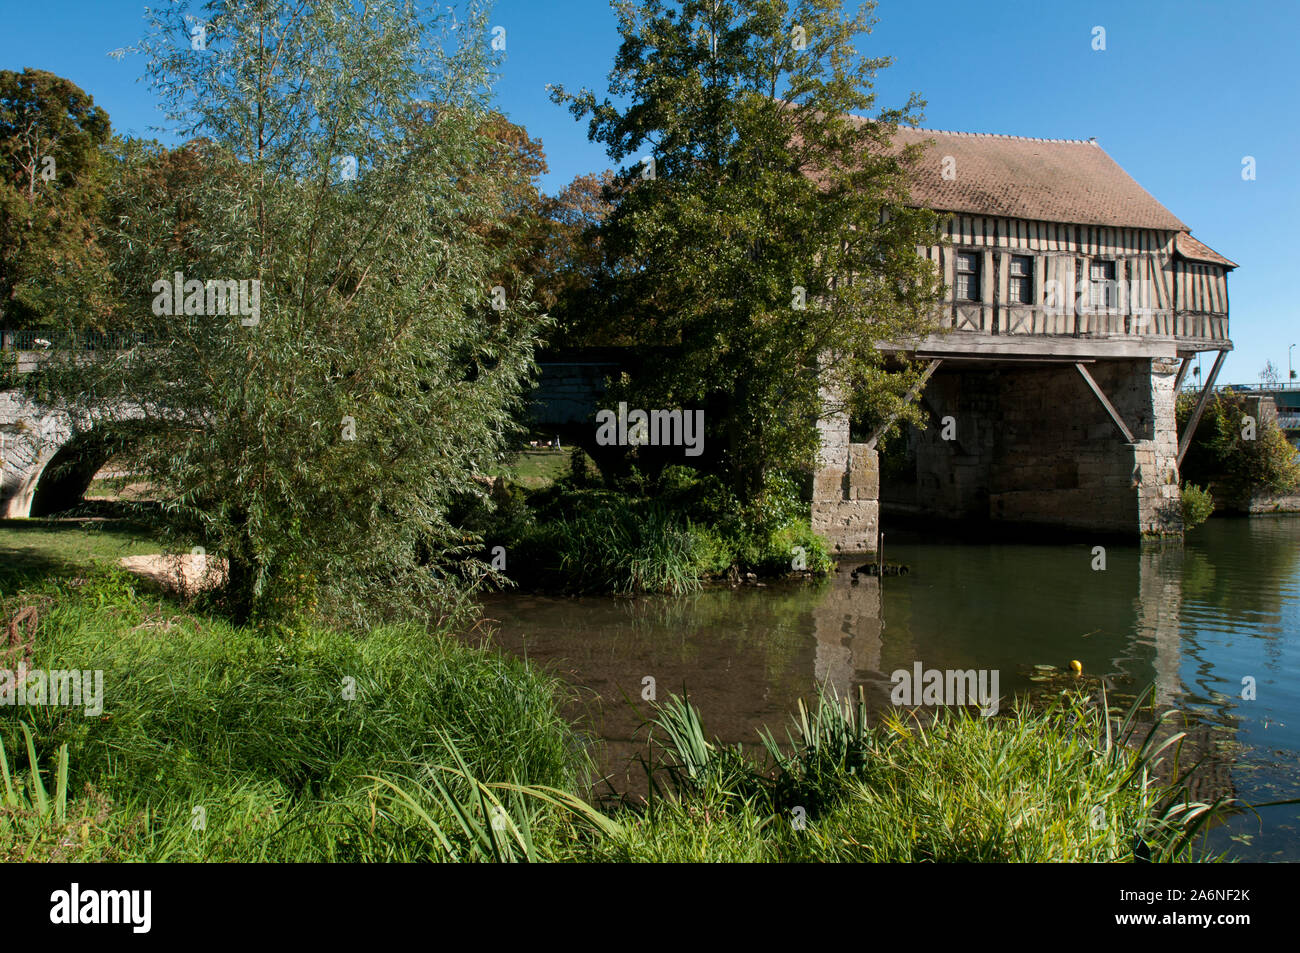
(1105,402)
(937,420)
(1195,420)
(911,396)
(1008,359)
(1182,372)
(1042,345)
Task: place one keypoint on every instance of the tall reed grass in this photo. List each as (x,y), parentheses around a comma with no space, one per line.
(274,737)
(1072,782)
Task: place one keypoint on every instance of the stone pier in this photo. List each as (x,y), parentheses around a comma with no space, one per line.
(846,489)
(1035,445)
(1032,444)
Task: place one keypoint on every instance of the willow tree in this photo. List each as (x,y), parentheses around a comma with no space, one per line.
(763,245)
(326,362)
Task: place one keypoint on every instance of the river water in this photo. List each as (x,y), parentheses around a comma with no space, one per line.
(1193,620)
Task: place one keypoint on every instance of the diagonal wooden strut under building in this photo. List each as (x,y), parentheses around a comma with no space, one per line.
(1075,303)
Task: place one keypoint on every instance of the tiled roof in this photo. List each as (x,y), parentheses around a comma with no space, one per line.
(1052,180)
(1194,250)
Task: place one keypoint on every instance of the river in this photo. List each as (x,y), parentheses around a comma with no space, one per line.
(1194,620)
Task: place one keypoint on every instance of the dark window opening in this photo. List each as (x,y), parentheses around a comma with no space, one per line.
(968,276)
(1021,281)
(1102,293)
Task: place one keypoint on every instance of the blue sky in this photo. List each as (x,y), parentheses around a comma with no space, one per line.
(1183,91)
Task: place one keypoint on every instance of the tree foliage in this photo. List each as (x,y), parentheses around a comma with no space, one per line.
(51,186)
(548,244)
(762,243)
(1240,457)
(570,263)
(339,156)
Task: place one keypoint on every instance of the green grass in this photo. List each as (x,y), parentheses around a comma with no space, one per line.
(33,550)
(1054,785)
(537,468)
(223,743)
(275,737)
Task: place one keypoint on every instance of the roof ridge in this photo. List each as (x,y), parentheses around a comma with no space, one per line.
(1092,141)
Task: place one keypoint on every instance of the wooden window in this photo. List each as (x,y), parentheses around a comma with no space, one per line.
(1102,293)
(968,276)
(1020,286)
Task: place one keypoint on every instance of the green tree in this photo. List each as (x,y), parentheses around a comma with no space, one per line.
(570,260)
(763,244)
(340,364)
(1239,457)
(51,185)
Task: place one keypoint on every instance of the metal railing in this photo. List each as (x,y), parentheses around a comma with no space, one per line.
(1258,388)
(62,341)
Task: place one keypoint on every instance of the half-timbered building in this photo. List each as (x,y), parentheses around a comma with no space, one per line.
(1075,303)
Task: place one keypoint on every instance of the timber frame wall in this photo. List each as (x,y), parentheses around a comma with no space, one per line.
(1187,299)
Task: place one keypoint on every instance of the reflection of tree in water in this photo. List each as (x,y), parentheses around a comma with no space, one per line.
(743,656)
(1236,577)
(770,623)
(1258,562)
(1178,617)
(1198,575)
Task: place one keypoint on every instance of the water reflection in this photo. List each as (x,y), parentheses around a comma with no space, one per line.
(1193,620)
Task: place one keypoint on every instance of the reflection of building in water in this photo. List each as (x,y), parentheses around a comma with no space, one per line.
(1157,618)
(849,627)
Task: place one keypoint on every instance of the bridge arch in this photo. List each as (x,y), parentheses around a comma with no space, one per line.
(48,456)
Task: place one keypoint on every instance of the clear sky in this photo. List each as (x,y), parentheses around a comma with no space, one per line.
(1182,93)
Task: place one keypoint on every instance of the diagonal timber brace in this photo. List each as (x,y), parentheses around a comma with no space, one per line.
(1105,402)
(1194,421)
(910,396)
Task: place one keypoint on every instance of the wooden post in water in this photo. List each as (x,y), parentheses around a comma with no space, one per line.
(880,551)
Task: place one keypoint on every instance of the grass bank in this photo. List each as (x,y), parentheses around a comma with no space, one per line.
(219,744)
(1068,783)
(35,550)
(222,743)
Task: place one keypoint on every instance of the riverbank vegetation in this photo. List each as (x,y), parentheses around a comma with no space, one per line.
(1236,456)
(222,742)
(671,533)
(1197,503)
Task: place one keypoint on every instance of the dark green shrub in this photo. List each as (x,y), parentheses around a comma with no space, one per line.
(1197,504)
